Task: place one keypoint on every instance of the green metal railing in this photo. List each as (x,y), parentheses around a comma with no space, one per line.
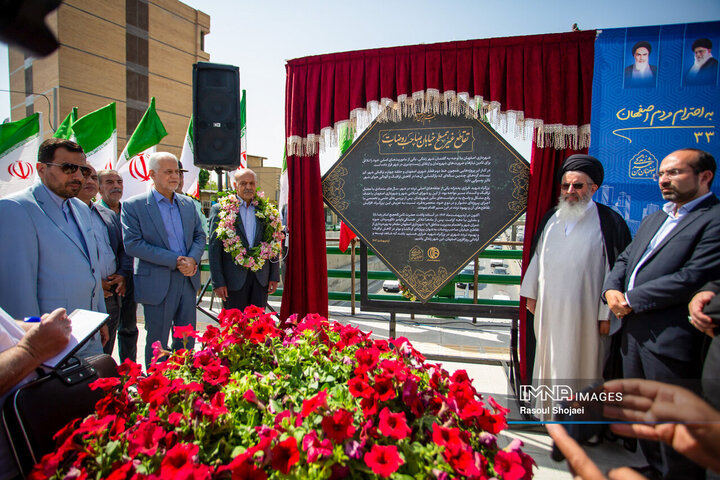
(514,254)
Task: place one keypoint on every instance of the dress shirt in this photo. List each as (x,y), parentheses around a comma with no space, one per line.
(64,205)
(247,216)
(170,213)
(108,261)
(674,218)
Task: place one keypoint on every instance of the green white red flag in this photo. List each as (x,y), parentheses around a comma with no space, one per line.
(187,158)
(64,130)
(96,133)
(19,143)
(133,164)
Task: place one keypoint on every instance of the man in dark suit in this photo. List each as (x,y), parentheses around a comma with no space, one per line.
(162,231)
(238,286)
(675,252)
(115,266)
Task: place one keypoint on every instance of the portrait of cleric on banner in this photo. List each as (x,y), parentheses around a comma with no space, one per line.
(634,128)
(427,193)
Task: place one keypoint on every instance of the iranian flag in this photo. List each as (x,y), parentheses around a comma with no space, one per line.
(133,164)
(243,132)
(19,143)
(97,135)
(64,130)
(187,158)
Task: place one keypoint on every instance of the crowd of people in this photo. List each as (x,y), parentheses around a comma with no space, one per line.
(605,306)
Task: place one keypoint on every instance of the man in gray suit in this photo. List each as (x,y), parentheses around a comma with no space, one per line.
(162,231)
(49,255)
(115,266)
(237,286)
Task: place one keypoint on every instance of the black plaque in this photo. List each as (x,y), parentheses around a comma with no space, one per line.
(427,194)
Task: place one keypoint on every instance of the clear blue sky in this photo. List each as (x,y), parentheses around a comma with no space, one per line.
(258,36)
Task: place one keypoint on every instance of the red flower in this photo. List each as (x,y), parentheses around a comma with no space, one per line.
(253,311)
(385,388)
(144,439)
(243,468)
(393,425)
(180,462)
(314,403)
(383,460)
(509,465)
(214,409)
(448,438)
(360,387)
(106,383)
(153,389)
(284,455)
(216,374)
(463,461)
(367,359)
(184,332)
(338,426)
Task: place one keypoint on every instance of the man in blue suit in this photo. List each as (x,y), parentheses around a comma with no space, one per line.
(49,255)
(163,232)
(675,252)
(238,286)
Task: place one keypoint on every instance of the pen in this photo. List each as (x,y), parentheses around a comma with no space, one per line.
(31,320)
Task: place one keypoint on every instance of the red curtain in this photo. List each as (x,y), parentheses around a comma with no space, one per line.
(305,284)
(546,78)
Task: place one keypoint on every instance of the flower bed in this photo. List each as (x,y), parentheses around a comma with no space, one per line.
(301,399)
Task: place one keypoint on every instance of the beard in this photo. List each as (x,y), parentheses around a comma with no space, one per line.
(699,63)
(573,211)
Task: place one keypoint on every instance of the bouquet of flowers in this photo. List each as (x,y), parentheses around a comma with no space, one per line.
(297,399)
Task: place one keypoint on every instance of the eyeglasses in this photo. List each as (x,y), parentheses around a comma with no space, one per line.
(672,173)
(576,186)
(70,168)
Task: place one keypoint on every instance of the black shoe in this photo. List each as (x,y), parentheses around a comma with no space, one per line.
(649,472)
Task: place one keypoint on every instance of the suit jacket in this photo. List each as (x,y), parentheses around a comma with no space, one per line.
(706,75)
(223,270)
(683,262)
(145,238)
(123,263)
(43,265)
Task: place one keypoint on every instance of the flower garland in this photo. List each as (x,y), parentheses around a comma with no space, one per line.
(406,292)
(269,247)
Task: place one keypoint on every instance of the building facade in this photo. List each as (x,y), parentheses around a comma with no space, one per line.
(114,51)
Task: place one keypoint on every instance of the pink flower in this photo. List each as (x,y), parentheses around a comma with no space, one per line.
(316,448)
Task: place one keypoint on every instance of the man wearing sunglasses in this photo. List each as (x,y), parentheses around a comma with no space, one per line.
(675,252)
(576,244)
(49,255)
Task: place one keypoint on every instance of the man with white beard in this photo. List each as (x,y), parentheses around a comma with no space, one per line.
(640,73)
(576,246)
(705,68)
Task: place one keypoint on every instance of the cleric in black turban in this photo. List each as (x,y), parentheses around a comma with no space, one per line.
(586,164)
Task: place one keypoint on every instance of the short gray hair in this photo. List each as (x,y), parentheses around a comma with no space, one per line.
(157,156)
(106,171)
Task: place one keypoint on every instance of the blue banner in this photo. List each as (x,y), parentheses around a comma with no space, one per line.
(655,90)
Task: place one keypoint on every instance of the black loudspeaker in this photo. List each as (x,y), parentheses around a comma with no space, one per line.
(216,116)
